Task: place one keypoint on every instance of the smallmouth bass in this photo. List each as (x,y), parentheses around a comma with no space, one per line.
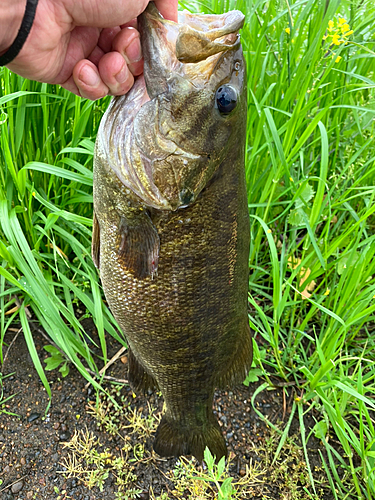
(171,223)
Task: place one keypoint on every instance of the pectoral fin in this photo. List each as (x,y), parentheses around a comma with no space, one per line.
(95,244)
(139,245)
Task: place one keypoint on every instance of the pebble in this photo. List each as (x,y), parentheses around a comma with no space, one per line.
(17,487)
(23,461)
(64,436)
(242,472)
(33,416)
(29,494)
(56,425)
(64,428)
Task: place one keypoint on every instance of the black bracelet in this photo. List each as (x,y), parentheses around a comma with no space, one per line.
(22,35)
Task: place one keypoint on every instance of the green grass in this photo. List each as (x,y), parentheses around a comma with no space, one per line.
(47,141)
(310,169)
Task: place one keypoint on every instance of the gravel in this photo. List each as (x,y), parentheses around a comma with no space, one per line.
(31,442)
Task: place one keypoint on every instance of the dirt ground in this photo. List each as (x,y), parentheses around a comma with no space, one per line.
(34,464)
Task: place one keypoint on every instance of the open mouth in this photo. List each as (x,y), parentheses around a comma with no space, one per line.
(185,47)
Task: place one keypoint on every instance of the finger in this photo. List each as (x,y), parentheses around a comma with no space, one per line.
(104,13)
(115,74)
(88,80)
(76,46)
(71,86)
(167,8)
(130,24)
(127,43)
(96,55)
(106,38)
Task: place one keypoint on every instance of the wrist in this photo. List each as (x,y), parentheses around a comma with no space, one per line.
(11,15)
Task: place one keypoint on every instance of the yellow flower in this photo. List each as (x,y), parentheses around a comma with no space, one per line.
(327,291)
(339,31)
(269,231)
(338,59)
(287,30)
(335,39)
(345,28)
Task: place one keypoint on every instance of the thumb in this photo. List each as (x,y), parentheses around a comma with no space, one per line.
(167,8)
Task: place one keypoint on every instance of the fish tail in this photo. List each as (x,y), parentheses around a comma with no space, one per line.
(139,379)
(172,439)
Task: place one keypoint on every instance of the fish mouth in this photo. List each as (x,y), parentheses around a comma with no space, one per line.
(184,47)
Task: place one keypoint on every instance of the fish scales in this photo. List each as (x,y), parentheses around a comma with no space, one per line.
(171,224)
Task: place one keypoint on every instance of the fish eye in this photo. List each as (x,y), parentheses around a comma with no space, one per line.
(226,99)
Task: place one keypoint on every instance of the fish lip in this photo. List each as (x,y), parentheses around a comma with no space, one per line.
(153,35)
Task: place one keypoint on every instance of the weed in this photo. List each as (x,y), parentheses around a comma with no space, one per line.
(56,360)
(4,400)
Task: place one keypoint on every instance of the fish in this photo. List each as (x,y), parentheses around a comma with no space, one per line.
(171,229)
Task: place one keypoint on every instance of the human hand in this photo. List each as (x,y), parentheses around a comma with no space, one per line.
(90,47)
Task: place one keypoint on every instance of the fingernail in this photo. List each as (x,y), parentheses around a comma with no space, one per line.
(133,51)
(123,74)
(89,76)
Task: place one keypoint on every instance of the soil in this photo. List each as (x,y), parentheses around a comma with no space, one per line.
(33,458)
